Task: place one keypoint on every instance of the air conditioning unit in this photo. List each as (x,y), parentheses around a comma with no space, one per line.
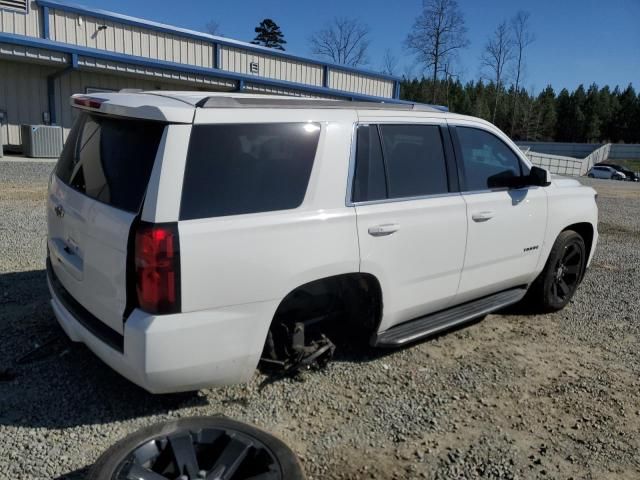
(42,141)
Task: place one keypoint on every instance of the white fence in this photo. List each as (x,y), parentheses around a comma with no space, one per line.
(563,165)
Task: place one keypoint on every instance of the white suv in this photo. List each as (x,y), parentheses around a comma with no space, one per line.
(192,234)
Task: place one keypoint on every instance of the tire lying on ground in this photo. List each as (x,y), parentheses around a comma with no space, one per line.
(213,448)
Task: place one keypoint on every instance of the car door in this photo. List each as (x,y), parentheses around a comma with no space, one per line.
(505,226)
(411,219)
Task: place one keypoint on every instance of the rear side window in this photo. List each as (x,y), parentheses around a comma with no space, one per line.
(486,159)
(110,160)
(369,181)
(414,159)
(247,168)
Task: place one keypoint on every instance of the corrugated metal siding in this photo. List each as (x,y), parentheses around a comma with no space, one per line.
(624,152)
(20,23)
(358,83)
(193,80)
(29,53)
(23,96)
(256,88)
(577,150)
(238,60)
(128,39)
(77,81)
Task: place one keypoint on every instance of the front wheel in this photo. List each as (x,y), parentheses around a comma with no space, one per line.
(590,175)
(562,274)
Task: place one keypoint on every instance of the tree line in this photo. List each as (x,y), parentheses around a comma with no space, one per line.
(438,35)
(591,115)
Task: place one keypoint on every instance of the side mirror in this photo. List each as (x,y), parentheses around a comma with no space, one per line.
(539,177)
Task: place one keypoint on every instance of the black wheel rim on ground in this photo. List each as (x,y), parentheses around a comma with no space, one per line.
(210,453)
(566,274)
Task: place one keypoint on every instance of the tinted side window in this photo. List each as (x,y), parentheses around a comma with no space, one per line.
(486,159)
(415,161)
(110,159)
(369,181)
(247,168)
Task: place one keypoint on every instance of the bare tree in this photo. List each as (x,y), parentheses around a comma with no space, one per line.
(344,41)
(449,77)
(389,62)
(522,38)
(496,55)
(437,35)
(212,27)
(408,72)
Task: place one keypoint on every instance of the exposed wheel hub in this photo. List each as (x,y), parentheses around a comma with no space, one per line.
(560,272)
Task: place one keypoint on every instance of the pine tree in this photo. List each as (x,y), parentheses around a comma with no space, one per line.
(269,35)
(596,115)
(547,109)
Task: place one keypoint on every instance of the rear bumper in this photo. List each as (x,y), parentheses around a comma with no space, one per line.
(180,352)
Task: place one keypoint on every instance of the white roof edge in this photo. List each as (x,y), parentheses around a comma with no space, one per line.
(137,105)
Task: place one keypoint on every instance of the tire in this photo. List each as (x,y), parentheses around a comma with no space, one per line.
(557,283)
(590,175)
(266,453)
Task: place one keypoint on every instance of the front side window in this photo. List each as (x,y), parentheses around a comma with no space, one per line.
(487,160)
(414,159)
(234,169)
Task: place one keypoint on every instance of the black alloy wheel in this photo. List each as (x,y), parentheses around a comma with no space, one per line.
(567,271)
(198,448)
(562,274)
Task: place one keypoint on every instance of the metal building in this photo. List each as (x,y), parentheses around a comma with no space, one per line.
(50,50)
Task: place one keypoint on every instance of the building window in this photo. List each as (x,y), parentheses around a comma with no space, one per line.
(18,5)
(90,90)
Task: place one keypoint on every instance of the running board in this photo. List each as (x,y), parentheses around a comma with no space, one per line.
(436,322)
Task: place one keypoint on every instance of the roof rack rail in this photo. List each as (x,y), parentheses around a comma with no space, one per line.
(298,102)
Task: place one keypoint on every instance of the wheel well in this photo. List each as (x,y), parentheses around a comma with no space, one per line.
(585,230)
(344,307)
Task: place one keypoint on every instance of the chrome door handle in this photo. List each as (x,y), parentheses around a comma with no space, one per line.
(482,216)
(382,230)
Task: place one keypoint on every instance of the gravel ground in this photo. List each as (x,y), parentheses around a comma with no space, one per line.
(513,396)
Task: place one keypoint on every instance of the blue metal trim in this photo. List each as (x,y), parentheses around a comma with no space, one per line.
(216,56)
(325,76)
(51,87)
(161,27)
(51,99)
(223,74)
(45,23)
(396,89)
(240,85)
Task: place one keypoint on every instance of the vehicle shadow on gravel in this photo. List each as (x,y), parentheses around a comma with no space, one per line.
(353,350)
(48,381)
(356,351)
(81,474)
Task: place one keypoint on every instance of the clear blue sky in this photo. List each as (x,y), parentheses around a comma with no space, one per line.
(577,41)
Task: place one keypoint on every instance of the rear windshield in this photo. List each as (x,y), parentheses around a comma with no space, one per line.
(247,168)
(110,159)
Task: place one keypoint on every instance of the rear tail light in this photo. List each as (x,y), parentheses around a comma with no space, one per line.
(157,268)
(88,102)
